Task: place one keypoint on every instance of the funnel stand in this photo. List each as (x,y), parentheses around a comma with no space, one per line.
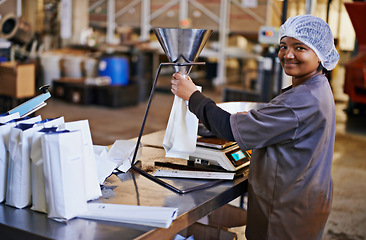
(149,176)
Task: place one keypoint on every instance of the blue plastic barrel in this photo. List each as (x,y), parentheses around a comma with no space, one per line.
(117,68)
(3,59)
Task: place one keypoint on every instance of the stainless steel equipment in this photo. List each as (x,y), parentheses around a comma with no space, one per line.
(182,47)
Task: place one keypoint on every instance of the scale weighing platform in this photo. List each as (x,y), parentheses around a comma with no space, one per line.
(219,152)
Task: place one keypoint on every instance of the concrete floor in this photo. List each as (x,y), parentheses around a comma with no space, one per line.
(347,220)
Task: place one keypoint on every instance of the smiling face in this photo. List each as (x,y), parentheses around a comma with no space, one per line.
(298,60)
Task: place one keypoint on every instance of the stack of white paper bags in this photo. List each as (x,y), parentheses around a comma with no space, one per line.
(48,165)
(51,166)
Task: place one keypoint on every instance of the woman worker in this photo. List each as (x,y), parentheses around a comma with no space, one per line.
(292,137)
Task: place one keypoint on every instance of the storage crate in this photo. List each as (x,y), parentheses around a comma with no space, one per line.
(118,96)
(74,91)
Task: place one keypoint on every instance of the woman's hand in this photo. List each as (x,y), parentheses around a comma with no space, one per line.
(182,87)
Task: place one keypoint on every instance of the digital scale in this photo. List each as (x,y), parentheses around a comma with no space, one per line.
(219,152)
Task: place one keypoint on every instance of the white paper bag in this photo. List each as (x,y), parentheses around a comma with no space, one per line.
(105,166)
(64,174)
(38,185)
(7,118)
(37,176)
(48,123)
(25,120)
(143,215)
(90,167)
(181,132)
(18,191)
(4,130)
(4,154)
(121,153)
(4,158)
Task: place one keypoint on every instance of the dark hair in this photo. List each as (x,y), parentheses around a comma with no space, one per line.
(321,68)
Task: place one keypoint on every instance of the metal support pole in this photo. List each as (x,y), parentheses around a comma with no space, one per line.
(205,11)
(2,1)
(111,22)
(269,12)
(96,4)
(249,12)
(310,6)
(145,20)
(19,8)
(183,12)
(223,26)
(284,11)
(163,9)
(340,5)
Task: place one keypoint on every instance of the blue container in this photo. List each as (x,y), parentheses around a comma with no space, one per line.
(2,59)
(117,68)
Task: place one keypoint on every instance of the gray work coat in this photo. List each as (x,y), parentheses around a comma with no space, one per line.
(290,183)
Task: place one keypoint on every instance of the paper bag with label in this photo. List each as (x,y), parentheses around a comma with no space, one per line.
(4,130)
(90,167)
(64,174)
(19,190)
(181,132)
(4,152)
(38,188)
(38,185)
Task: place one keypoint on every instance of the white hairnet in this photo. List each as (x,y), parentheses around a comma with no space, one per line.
(316,34)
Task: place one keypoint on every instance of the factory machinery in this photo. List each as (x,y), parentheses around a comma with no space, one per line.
(355,79)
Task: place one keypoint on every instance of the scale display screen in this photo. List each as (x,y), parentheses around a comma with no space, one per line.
(237,157)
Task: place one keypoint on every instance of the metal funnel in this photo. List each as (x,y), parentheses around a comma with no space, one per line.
(182,46)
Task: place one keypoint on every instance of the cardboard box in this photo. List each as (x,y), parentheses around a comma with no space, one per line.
(17,80)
